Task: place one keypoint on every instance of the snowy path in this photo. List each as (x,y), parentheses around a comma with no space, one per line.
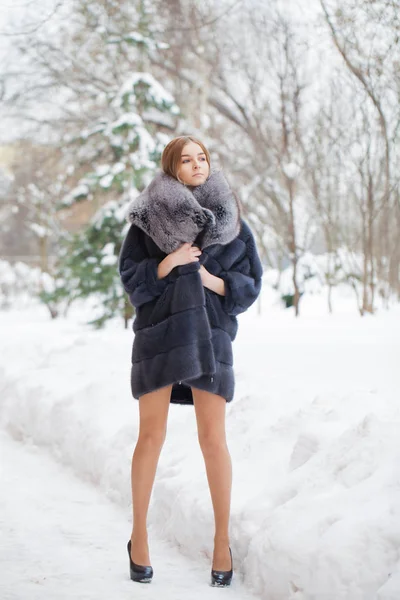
(313,434)
(62,539)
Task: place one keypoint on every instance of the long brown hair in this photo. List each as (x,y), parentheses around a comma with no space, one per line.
(171,155)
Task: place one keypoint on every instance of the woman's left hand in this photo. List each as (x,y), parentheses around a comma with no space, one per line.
(213,283)
(203,274)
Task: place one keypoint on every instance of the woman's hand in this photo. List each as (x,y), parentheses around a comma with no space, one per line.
(182,256)
(204,274)
(213,283)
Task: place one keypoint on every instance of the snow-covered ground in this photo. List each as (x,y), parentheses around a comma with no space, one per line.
(62,539)
(313,433)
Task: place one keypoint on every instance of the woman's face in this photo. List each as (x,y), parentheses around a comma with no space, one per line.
(193,168)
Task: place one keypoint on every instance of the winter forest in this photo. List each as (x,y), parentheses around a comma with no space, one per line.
(298,102)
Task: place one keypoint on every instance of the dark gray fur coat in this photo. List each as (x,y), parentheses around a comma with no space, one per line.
(184,331)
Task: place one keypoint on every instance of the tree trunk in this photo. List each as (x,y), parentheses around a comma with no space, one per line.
(293,248)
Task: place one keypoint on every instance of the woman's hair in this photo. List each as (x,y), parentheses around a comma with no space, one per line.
(171,156)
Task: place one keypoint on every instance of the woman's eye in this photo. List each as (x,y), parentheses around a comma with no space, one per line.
(186,160)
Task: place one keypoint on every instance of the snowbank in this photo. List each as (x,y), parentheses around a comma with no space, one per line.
(312,432)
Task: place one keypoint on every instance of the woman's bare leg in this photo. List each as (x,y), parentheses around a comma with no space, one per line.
(210,416)
(153,411)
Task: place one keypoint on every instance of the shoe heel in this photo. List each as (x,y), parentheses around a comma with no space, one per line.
(222,578)
(139,573)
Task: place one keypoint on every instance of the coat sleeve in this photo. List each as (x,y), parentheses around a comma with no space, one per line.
(138,271)
(244,278)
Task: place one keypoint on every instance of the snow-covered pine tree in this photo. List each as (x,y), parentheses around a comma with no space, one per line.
(128,145)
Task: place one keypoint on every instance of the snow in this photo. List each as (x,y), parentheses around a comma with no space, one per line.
(109,260)
(138,38)
(61,539)
(106,181)
(80,191)
(108,249)
(156,92)
(129,118)
(313,433)
(118,167)
(39,230)
(291,170)
(19,283)
(110,209)
(109,257)
(102,170)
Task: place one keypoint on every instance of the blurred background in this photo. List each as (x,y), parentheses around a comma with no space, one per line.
(298,102)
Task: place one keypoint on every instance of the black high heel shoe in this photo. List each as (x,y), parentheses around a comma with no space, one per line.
(222,578)
(138,572)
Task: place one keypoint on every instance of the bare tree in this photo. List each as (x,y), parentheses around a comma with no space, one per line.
(371,53)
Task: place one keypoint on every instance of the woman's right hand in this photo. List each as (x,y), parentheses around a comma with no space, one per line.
(185,254)
(182,256)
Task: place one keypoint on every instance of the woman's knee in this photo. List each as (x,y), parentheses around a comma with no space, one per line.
(212,443)
(152,435)
(153,410)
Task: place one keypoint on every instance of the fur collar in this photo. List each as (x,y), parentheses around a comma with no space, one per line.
(172,213)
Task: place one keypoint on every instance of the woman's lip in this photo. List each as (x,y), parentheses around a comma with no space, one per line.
(195,175)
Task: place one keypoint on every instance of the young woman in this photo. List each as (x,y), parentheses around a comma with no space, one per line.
(190,265)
